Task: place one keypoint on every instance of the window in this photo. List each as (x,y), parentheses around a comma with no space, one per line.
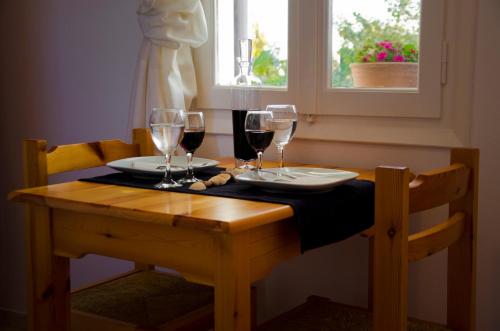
(375,43)
(363,25)
(313,45)
(256,20)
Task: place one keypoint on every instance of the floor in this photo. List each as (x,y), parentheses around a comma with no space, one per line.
(8,328)
(12,321)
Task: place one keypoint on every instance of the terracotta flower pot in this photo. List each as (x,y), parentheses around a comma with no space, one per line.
(385,74)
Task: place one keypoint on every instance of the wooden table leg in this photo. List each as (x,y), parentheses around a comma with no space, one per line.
(48,276)
(232,283)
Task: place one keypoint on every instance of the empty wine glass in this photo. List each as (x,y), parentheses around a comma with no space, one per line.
(258,132)
(283,123)
(194,132)
(167,128)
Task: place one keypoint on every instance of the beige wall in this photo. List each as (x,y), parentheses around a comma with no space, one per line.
(67,69)
(486,135)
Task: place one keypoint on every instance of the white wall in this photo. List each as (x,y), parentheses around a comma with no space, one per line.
(67,69)
(66,73)
(486,135)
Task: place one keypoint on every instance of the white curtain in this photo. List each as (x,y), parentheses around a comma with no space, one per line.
(165,75)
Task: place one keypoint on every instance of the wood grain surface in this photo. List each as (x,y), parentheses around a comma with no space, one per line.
(223,242)
(169,208)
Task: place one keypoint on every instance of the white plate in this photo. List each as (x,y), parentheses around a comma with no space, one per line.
(297,178)
(155,165)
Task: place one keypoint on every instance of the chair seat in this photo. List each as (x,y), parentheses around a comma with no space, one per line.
(321,314)
(147,299)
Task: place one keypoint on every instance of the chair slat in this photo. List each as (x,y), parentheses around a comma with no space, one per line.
(88,155)
(438,187)
(368,233)
(142,137)
(435,239)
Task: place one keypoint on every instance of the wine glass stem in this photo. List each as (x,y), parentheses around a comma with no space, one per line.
(168,173)
(259,161)
(281,150)
(190,172)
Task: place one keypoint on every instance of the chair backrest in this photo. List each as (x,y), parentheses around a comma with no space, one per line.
(395,199)
(40,163)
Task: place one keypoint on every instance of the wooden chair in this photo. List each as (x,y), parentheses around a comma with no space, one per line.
(395,199)
(138,300)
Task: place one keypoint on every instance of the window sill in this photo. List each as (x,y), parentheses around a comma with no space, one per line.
(353,130)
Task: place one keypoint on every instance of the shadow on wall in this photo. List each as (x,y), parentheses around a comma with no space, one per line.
(56,85)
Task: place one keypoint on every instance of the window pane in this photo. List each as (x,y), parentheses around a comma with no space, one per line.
(264,21)
(375,43)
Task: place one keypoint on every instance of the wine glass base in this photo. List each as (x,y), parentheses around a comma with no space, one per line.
(242,164)
(189,180)
(163,185)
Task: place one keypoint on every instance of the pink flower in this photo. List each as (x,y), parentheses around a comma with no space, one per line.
(381,56)
(385,44)
(399,58)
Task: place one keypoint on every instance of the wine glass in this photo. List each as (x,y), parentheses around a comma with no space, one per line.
(284,123)
(167,128)
(194,132)
(258,132)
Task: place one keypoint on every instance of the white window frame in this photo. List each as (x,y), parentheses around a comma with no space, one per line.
(422,102)
(438,114)
(213,96)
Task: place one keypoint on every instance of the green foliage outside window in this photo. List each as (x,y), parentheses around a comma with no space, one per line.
(356,35)
(266,64)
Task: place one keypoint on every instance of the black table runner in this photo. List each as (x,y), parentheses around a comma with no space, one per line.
(322,218)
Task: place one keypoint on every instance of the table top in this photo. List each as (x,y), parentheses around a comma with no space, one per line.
(203,212)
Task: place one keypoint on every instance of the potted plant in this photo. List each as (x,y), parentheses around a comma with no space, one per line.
(386,64)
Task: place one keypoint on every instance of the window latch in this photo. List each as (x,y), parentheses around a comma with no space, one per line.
(444,63)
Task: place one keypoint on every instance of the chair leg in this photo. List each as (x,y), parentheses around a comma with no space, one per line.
(462,254)
(371,265)
(390,308)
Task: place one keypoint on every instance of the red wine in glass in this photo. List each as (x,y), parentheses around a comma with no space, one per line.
(259,139)
(194,132)
(192,140)
(258,132)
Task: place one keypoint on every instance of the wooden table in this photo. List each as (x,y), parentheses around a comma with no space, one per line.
(222,242)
